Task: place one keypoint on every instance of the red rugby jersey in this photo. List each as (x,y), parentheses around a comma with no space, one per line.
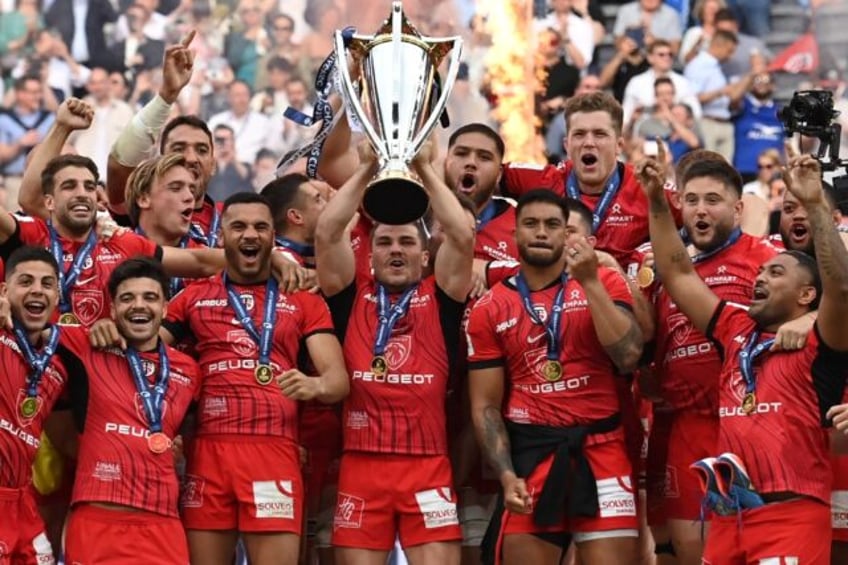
(686,361)
(501,333)
(203,217)
(115,464)
(19,435)
(495,241)
(89,296)
(231,401)
(626,224)
(402,412)
(783,444)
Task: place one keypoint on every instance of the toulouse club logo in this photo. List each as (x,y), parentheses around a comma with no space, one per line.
(241,343)
(397,351)
(88,305)
(679,327)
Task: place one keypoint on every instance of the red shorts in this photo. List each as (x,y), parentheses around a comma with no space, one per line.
(320,435)
(22,537)
(784,533)
(243,483)
(103,536)
(839,498)
(677,440)
(383,496)
(616,495)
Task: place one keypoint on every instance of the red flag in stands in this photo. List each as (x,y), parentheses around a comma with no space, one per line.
(800,57)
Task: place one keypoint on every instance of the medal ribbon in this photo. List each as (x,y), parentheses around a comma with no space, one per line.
(388,315)
(176,283)
(599,214)
(210,238)
(552,328)
(731,239)
(306,251)
(748,355)
(487,215)
(152,396)
(69,277)
(37,361)
(269,316)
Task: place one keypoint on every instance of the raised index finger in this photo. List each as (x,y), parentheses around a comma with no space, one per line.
(790,149)
(188,38)
(660,150)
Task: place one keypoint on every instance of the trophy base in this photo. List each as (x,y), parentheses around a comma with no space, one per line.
(395,198)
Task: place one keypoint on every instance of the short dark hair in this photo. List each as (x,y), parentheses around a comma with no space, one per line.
(483,129)
(246,198)
(56,164)
(663,80)
(725,15)
(29,253)
(595,102)
(808,263)
(279,64)
(725,35)
(577,206)
(20,83)
(138,268)
(657,43)
(544,196)
(692,157)
(283,193)
(190,121)
(721,171)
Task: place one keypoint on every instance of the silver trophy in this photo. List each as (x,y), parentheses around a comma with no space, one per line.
(400,103)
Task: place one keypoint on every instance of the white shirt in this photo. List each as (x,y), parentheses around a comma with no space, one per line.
(705,74)
(639,93)
(580,33)
(108,123)
(155,28)
(251,132)
(79,43)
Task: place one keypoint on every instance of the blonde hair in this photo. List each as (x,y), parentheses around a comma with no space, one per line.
(698,9)
(140,182)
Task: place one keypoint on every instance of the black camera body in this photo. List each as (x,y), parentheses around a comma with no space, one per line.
(811,113)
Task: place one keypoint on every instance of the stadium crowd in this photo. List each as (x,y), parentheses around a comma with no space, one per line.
(632,353)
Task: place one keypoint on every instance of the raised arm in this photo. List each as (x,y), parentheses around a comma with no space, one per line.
(455,259)
(73,114)
(679,277)
(339,158)
(803,179)
(336,263)
(332,383)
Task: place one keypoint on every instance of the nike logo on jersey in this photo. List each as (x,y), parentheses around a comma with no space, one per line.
(535,339)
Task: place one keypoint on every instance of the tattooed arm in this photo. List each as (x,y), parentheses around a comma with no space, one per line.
(486,391)
(684,285)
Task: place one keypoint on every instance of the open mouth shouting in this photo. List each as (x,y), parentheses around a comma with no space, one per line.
(760,292)
(467,183)
(35,307)
(139,319)
(798,233)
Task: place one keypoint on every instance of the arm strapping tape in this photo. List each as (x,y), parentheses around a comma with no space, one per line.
(138,140)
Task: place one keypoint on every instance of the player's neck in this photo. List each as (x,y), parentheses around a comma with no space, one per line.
(539,278)
(200,200)
(594,188)
(239,278)
(296,234)
(155,233)
(149,344)
(70,234)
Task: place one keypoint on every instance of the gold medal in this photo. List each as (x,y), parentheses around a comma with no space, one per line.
(552,370)
(68,319)
(379,366)
(158,442)
(264,375)
(645,277)
(749,403)
(29,406)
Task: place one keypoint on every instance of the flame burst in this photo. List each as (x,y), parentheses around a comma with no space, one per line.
(511,69)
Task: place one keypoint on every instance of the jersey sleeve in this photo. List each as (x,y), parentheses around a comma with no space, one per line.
(616,287)
(28,231)
(177,320)
(316,315)
(133,244)
(725,323)
(496,271)
(484,349)
(519,178)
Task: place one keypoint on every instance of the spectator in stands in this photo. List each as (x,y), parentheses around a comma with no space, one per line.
(640,90)
(562,77)
(231,175)
(51,57)
(21,127)
(286,134)
(629,60)
(751,53)
(576,34)
(138,51)
(754,16)
(244,47)
(672,122)
(154,25)
(555,136)
(264,168)
(271,98)
(653,18)
(465,106)
(756,126)
(715,93)
(212,85)
(325,18)
(768,165)
(251,128)
(82,25)
(118,87)
(281,28)
(16,28)
(697,37)
(111,115)
(591,10)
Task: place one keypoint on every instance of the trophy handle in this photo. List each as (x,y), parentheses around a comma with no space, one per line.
(438,108)
(347,84)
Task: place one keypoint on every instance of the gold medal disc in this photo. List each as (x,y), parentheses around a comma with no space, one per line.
(645,277)
(264,375)
(749,403)
(68,319)
(29,406)
(552,371)
(379,366)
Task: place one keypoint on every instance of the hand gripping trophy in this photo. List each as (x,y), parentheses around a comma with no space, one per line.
(400,102)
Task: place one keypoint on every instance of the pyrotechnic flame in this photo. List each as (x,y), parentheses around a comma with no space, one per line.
(514,76)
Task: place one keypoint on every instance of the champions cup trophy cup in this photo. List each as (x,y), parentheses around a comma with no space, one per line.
(401,101)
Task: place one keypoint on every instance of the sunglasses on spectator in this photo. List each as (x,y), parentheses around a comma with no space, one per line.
(663,54)
(282,28)
(222,139)
(765,165)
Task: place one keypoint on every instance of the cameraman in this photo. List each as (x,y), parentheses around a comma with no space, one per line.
(756,127)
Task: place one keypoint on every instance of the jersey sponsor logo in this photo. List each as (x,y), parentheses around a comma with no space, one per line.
(227,365)
(129,430)
(563,385)
(211,303)
(273,499)
(105,256)
(718,280)
(437,508)
(357,419)
(214,406)
(192,492)
(23,421)
(687,351)
(788,560)
(511,323)
(534,338)
(398,350)
(501,253)
(19,433)
(518,415)
(86,281)
(43,550)
(615,497)
(242,343)
(839,509)
(106,471)
(349,511)
(88,304)
(394,378)
(617,217)
(86,265)
(761,408)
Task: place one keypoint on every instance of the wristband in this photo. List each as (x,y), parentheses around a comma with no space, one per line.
(138,140)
